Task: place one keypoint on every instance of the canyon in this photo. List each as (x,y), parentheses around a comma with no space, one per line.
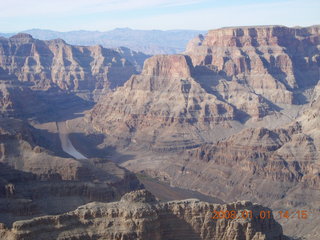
(235,117)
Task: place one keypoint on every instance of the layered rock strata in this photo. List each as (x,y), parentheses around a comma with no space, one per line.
(273,61)
(276,167)
(162,100)
(139,216)
(230,74)
(44,64)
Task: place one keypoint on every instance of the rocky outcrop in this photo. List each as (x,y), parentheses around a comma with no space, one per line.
(274,61)
(168,66)
(164,97)
(56,63)
(139,216)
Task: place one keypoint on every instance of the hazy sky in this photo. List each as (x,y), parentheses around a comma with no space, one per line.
(102,15)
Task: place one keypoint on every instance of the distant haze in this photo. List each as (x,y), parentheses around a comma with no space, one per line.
(146,41)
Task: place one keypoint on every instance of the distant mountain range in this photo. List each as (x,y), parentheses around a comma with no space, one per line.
(147,41)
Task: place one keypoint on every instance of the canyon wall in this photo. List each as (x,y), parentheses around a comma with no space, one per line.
(45,64)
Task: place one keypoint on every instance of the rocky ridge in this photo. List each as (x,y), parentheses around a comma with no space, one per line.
(139,216)
(44,64)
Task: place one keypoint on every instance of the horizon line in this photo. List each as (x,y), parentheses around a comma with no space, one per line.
(163,30)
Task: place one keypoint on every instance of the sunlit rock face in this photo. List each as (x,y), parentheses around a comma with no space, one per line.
(273,60)
(44,64)
(163,100)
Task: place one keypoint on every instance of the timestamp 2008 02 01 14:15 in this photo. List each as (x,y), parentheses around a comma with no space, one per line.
(233,214)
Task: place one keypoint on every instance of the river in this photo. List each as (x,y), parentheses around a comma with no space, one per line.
(66,144)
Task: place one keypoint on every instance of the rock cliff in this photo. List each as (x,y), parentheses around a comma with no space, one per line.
(162,100)
(44,64)
(274,61)
(139,216)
